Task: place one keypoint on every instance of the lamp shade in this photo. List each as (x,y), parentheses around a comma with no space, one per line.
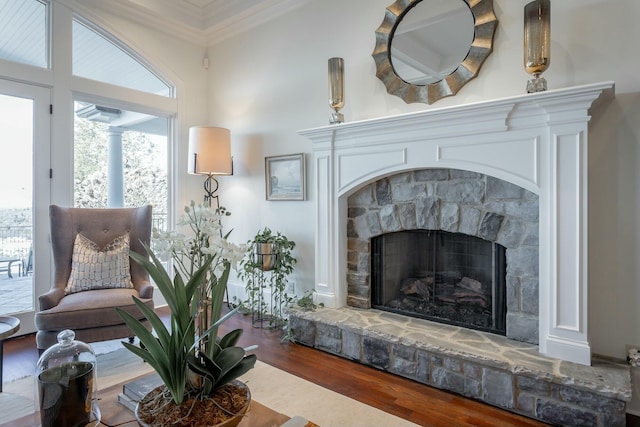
(210,151)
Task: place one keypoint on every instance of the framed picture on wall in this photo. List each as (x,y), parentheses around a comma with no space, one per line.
(285,177)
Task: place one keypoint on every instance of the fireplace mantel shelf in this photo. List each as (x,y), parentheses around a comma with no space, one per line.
(473,113)
(536,141)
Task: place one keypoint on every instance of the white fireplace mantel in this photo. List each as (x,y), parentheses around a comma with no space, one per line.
(537,141)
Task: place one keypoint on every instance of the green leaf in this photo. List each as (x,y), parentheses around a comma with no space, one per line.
(156,322)
(231,338)
(245,365)
(228,358)
(140,331)
(204,367)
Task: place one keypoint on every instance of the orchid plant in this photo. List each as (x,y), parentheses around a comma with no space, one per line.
(205,244)
(195,296)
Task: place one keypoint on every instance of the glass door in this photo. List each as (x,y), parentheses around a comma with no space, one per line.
(24,199)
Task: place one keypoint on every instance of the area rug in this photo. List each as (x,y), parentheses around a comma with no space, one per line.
(270,386)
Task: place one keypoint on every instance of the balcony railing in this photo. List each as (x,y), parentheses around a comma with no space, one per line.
(15,241)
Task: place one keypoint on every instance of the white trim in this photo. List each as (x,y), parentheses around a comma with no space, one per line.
(537,141)
(26,73)
(263,12)
(97,92)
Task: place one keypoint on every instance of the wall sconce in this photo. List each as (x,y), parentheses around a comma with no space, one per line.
(210,154)
(537,43)
(336,89)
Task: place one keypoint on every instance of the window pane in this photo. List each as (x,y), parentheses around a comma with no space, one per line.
(23,32)
(96,58)
(120,160)
(16,256)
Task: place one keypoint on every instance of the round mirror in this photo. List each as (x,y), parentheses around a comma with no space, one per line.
(428,49)
(431,41)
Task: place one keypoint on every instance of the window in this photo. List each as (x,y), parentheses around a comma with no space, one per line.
(120,160)
(120,156)
(141,115)
(23,32)
(96,58)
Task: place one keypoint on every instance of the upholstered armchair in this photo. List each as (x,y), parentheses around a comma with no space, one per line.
(91,273)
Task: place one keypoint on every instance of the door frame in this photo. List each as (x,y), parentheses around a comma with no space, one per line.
(41,163)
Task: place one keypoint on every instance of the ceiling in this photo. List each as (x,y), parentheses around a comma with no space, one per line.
(204,22)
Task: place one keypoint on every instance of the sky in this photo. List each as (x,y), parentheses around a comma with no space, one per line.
(16,149)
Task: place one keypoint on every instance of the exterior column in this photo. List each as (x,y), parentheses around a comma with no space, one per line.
(115,170)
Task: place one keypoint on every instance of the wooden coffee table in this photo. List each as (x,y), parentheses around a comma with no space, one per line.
(9,325)
(116,414)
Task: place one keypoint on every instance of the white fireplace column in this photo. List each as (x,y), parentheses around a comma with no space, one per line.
(537,141)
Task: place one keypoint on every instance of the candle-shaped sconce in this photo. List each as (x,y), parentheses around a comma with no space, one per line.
(336,89)
(537,43)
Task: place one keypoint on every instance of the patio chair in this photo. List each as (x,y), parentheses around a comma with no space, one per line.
(94,274)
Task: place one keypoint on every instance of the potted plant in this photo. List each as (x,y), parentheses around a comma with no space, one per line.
(198,367)
(268,264)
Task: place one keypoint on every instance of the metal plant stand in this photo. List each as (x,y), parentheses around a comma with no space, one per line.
(266,259)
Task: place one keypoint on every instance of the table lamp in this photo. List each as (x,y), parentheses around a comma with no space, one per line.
(210,154)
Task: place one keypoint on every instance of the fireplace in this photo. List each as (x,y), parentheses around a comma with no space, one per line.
(447,277)
(510,172)
(537,142)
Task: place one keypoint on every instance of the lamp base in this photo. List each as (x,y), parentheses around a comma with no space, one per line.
(336,118)
(537,84)
(210,189)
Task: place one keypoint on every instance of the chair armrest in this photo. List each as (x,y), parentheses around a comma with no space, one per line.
(51,298)
(146,290)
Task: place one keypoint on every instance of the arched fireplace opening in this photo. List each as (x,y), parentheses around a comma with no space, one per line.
(446,277)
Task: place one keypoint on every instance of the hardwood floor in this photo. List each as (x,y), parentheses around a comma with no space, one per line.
(404,398)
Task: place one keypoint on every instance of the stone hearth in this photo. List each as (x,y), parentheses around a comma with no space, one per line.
(501,372)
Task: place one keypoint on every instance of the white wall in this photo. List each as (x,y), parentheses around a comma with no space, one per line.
(270,82)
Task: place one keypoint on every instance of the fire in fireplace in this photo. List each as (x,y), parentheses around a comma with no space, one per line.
(447,277)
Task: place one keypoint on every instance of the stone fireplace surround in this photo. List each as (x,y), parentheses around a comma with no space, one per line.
(537,142)
(458,202)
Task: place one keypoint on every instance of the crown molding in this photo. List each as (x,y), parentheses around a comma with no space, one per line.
(263,12)
(139,14)
(204,26)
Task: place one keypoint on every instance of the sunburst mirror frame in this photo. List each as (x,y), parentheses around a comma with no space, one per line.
(485,23)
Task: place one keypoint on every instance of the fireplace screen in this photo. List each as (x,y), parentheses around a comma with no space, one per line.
(446,277)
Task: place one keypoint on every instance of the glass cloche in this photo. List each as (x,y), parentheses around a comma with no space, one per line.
(66,384)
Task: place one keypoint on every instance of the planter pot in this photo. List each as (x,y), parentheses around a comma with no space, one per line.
(266,256)
(235,388)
